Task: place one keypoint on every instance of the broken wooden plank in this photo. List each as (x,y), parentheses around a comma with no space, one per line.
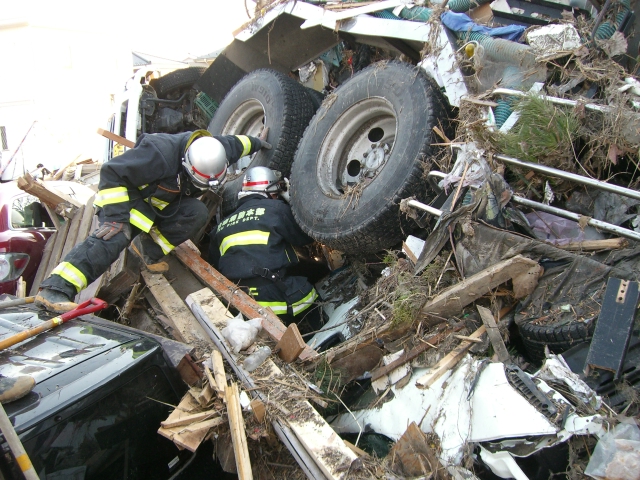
(188,419)
(291,345)
(594,245)
(116,138)
(238,433)
(56,253)
(317,462)
(494,334)
(452,300)
(229,291)
(175,309)
(45,193)
(218,370)
(408,356)
(206,394)
(258,408)
(72,234)
(121,276)
(614,327)
(448,361)
(44,263)
(86,223)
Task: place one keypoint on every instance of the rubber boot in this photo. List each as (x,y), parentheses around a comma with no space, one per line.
(54,301)
(14,388)
(154,266)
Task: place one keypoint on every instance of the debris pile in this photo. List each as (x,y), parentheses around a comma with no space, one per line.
(500,336)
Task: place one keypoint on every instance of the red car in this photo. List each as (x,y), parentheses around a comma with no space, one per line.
(25,227)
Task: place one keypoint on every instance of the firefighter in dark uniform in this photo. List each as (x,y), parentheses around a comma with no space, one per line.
(149,193)
(254,247)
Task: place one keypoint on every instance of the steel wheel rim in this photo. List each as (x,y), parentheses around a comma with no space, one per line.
(342,163)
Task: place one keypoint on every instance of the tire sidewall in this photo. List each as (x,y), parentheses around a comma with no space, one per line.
(402,87)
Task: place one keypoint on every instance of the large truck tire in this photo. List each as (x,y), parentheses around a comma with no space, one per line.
(176,80)
(366,149)
(263,98)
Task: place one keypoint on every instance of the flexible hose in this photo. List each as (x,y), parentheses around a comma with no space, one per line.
(386,14)
(502,111)
(461,6)
(608,28)
(416,14)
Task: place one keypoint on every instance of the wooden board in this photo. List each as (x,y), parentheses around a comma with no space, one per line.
(48,195)
(291,345)
(230,292)
(448,361)
(116,138)
(72,234)
(615,324)
(319,451)
(44,263)
(494,334)
(175,309)
(452,300)
(238,433)
(56,253)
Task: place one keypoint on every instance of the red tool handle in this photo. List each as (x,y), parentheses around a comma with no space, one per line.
(89,306)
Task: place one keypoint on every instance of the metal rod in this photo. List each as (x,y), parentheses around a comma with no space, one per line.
(607,227)
(627,192)
(560,101)
(426,208)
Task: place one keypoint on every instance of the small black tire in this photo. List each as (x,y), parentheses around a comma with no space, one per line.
(176,80)
(263,98)
(389,104)
(559,338)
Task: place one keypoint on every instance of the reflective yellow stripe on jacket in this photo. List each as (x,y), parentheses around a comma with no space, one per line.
(71,274)
(246,144)
(156,202)
(111,195)
(160,240)
(306,302)
(279,308)
(139,220)
(250,237)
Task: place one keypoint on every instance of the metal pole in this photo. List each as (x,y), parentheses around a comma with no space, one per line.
(426,208)
(607,227)
(16,447)
(627,192)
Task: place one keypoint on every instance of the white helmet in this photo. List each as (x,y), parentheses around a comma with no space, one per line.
(261,180)
(206,162)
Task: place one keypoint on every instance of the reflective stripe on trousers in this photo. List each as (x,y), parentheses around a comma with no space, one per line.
(71,274)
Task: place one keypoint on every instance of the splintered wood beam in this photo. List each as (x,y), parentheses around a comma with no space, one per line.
(317,448)
(449,361)
(230,292)
(116,138)
(452,300)
(45,193)
(175,309)
(494,334)
(238,433)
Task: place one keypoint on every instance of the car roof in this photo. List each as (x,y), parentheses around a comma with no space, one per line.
(66,361)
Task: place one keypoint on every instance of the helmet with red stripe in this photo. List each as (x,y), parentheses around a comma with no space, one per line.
(205,161)
(261,180)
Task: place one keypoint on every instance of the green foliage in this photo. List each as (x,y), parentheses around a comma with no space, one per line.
(544,131)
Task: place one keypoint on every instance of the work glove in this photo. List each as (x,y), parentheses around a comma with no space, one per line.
(284,194)
(108,230)
(263,139)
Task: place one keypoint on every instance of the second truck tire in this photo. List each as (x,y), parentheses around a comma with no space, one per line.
(263,98)
(364,151)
